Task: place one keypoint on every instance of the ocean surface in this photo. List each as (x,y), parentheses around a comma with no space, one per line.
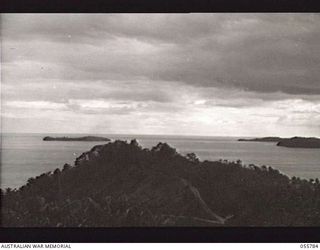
(27,155)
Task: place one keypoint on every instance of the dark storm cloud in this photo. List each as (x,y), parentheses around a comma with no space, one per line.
(280,54)
(264,53)
(89,27)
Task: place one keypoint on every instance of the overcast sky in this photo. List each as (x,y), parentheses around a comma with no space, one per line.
(186,74)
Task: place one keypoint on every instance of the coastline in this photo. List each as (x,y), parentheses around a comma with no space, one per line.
(41,155)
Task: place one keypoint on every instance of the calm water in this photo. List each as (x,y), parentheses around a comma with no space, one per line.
(26,155)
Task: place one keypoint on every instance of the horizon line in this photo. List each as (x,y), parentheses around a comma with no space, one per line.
(171,135)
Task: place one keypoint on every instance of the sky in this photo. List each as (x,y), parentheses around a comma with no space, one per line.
(222,74)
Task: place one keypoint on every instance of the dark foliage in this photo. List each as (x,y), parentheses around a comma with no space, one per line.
(121,184)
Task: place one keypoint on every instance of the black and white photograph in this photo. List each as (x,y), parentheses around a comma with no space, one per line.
(160,120)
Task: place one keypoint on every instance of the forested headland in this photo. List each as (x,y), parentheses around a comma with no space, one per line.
(122,184)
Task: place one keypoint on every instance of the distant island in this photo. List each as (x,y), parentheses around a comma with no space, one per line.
(121,184)
(263,139)
(300,142)
(294,142)
(83,138)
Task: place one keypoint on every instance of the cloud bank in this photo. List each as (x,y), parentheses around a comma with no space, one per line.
(203,74)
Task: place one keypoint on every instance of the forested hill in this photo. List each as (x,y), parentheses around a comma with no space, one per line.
(122,184)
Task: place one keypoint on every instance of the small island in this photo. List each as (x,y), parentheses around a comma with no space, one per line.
(83,138)
(294,142)
(263,139)
(300,142)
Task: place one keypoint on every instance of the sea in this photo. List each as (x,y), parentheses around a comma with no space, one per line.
(26,155)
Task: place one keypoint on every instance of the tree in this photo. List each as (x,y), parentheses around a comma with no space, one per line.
(192,157)
(134,143)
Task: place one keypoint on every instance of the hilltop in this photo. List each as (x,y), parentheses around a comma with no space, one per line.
(123,184)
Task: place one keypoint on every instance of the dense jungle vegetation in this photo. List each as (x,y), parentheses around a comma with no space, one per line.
(121,184)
